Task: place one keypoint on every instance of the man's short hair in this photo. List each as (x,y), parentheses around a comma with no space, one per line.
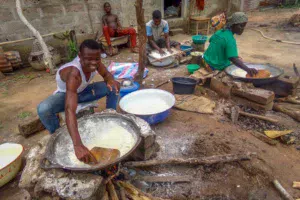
(156,14)
(91,44)
(106,4)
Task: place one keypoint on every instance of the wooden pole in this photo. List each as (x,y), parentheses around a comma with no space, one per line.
(142,39)
(27,39)
(193,161)
(47,56)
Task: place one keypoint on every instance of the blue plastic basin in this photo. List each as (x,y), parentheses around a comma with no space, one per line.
(146,97)
(187,49)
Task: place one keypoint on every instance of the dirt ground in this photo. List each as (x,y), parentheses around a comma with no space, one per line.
(186,134)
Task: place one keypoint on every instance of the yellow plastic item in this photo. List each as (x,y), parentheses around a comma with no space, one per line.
(10,161)
(276,134)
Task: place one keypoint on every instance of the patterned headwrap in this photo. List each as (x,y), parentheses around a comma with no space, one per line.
(236,18)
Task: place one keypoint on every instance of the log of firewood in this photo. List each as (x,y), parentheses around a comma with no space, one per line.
(105,197)
(282,191)
(164,179)
(264,138)
(192,161)
(137,192)
(296,185)
(112,192)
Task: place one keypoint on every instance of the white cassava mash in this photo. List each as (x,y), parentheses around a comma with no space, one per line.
(239,72)
(111,136)
(8,153)
(145,106)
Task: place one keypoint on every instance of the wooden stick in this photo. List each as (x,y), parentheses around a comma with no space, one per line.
(163,83)
(136,192)
(105,197)
(193,161)
(47,58)
(27,39)
(282,191)
(142,39)
(296,185)
(112,192)
(164,179)
(259,117)
(264,138)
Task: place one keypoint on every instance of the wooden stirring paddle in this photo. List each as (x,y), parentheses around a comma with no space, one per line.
(105,155)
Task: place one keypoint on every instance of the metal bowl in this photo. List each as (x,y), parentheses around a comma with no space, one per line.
(150,95)
(60,144)
(275,73)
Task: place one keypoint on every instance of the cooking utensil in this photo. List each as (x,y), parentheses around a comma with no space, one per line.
(105,155)
(60,144)
(275,73)
(148,95)
(11,153)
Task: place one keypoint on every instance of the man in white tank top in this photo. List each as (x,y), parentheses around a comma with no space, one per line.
(73,87)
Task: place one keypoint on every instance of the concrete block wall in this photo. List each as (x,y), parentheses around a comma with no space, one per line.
(48,16)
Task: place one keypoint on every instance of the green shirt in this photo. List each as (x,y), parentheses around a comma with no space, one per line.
(222,47)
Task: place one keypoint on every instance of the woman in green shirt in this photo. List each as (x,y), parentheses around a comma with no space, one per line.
(222,50)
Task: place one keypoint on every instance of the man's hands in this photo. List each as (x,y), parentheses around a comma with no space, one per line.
(170,51)
(252,71)
(161,52)
(110,50)
(84,155)
(112,84)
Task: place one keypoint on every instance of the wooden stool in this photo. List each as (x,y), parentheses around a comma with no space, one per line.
(198,20)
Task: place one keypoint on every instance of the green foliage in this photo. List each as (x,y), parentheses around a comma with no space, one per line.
(72,50)
(24,115)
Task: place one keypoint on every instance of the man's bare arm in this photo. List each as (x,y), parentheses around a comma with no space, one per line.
(167,37)
(108,77)
(154,45)
(119,26)
(73,81)
(104,21)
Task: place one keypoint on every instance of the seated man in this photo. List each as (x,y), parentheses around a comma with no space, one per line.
(73,87)
(222,50)
(154,29)
(113,28)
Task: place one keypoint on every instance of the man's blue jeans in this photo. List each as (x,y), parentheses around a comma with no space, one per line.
(54,104)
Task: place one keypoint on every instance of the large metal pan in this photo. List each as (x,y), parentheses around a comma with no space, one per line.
(60,144)
(275,73)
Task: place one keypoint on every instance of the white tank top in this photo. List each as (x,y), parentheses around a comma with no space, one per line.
(61,85)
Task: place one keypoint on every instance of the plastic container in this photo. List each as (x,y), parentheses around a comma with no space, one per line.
(183,85)
(126,90)
(186,49)
(199,39)
(192,67)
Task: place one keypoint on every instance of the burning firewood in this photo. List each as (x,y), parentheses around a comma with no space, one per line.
(135,193)
(111,190)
